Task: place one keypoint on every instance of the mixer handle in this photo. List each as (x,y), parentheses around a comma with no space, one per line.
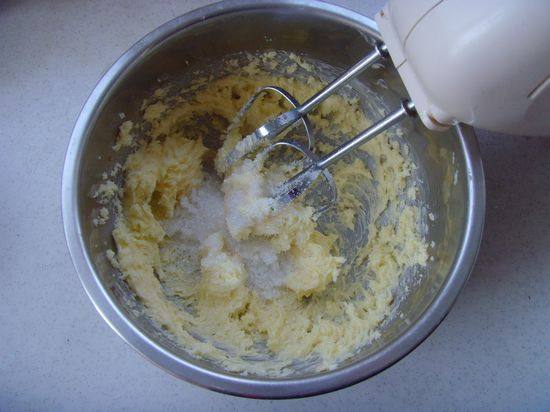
(485,63)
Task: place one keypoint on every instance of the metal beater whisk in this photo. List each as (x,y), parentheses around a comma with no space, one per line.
(315,166)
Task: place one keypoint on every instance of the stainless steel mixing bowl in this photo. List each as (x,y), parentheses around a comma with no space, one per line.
(449,164)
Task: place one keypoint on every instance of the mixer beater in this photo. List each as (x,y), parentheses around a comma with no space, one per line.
(315,166)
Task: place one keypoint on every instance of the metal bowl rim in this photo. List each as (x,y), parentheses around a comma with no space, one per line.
(241,385)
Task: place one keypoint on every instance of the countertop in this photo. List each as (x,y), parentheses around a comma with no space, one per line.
(491,353)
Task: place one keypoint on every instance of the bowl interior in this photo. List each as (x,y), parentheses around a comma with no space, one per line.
(322,36)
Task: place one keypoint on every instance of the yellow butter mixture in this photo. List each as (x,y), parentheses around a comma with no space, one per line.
(250,287)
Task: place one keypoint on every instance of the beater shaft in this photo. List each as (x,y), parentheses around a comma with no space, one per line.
(380,51)
(272,128)
(299,183)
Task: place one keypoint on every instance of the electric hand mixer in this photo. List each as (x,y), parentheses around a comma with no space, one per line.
(485,63)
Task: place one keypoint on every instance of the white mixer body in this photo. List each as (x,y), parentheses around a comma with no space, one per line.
(481,62)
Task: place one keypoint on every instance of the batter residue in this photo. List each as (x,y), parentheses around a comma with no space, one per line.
(253,288)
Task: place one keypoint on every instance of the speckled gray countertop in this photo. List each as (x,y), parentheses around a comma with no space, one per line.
(491,353)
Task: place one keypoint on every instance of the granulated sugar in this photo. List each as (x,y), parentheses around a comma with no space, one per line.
(207,211)
(200,214)
(246,199)
(265,267)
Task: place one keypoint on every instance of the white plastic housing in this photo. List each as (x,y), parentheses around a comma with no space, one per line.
(481,62)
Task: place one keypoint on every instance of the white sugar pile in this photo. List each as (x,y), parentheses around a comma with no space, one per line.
(200,214)
(207,211)
(245,198)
